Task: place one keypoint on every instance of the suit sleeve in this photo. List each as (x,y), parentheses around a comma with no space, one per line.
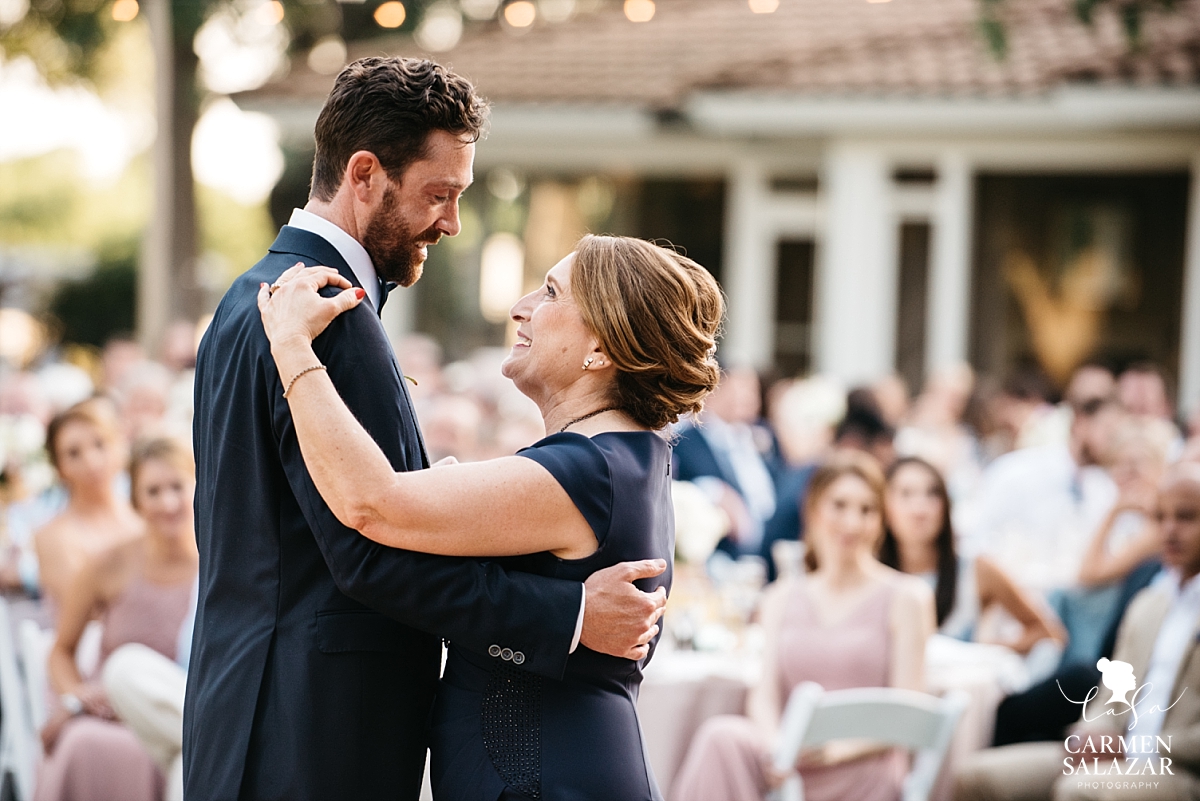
(474,603)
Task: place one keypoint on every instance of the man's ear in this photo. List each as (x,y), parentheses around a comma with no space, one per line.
(363,176)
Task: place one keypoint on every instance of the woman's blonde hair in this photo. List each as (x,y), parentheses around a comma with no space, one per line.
(657,315)
(168,449)
(842,463)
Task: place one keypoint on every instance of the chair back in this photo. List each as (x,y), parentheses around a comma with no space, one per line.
(907,719)
(19,743)
(35,651)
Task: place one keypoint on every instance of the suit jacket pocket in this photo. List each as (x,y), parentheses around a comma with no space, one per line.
(361,630)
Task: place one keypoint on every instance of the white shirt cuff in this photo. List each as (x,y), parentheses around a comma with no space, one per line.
(579,622)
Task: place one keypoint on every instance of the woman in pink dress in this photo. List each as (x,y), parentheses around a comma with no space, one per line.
(141,591)
(850,622)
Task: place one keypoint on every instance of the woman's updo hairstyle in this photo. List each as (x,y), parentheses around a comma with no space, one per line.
(657,314)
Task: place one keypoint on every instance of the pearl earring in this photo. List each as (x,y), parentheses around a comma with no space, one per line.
(588,362)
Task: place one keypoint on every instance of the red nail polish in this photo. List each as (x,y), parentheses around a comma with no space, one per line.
(360,293)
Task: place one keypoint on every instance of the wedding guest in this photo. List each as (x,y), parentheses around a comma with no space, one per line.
(141,590)
(1127,537)
(1142,390)
(918,539)
(84,445)
(1037,508)
(1156,638)
(851,622)
(864,427)
(937,432)
(723,453)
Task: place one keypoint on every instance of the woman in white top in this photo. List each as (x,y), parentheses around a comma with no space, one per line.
(919,539)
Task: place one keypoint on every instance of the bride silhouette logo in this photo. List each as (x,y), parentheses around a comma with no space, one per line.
(1118,677)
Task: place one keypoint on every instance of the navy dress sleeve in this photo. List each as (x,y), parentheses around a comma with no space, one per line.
(581,468)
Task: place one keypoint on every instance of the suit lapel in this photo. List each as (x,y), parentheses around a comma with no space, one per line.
(310,247)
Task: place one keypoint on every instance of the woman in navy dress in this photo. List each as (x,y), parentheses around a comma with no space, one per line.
(615,345)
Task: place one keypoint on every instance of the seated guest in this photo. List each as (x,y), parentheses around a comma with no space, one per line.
(864,427)
(723,454)
(1127,538)
(85,447)
(1124,539)
(918,539)
(141,590)
(1157,638)
(851,622)
(1037,508)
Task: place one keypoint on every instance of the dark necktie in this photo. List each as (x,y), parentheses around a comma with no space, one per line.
(385,288)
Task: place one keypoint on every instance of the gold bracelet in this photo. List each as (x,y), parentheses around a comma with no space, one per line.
(296,377)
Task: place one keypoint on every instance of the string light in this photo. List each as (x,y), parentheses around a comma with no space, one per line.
(274,12)
(520,14)
(124,10)
(391,14)
(764,6)
(639,10)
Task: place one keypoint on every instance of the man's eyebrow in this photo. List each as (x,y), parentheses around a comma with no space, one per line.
(458,186)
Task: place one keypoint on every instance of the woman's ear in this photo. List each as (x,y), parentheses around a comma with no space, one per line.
(596,359)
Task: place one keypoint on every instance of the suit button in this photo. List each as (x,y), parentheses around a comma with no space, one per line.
(518,658)
(506,654)
(494,650)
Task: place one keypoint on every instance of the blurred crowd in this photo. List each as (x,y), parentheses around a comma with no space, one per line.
(998,524)
(1005,514)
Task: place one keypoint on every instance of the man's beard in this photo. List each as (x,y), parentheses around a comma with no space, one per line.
(394,250)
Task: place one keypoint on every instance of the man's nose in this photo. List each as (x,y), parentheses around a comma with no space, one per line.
(450,224)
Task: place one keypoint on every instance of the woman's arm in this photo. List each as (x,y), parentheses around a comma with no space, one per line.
(501,507)
(1100,567)
(913,620)
(764,705)
(996,587)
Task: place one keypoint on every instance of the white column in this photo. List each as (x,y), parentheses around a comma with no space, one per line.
(948,316)
(1189,350)
(855,326)
(749,270)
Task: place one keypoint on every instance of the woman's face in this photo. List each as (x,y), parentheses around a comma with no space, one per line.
(163,497)
(87,458)
(552,340)
(846,520)
(914,507)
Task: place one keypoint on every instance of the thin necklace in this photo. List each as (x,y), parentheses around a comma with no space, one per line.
(587,416)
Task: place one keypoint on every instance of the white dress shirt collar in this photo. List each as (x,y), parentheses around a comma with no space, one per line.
(350,249)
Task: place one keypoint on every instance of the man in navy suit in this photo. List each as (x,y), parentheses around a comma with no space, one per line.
(316,651)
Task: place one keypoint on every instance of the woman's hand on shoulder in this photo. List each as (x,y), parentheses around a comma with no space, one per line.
(294,311)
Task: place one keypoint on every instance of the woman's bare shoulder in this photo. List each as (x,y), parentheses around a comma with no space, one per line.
(909,593)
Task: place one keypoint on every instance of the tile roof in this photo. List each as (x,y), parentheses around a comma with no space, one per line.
(927,48)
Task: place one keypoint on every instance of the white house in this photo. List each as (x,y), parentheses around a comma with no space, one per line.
(883,191)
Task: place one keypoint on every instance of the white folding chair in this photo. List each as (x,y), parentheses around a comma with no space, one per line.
(19,744)
(35,650)
(916,721)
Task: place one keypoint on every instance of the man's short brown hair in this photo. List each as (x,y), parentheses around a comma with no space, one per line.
(389,106)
